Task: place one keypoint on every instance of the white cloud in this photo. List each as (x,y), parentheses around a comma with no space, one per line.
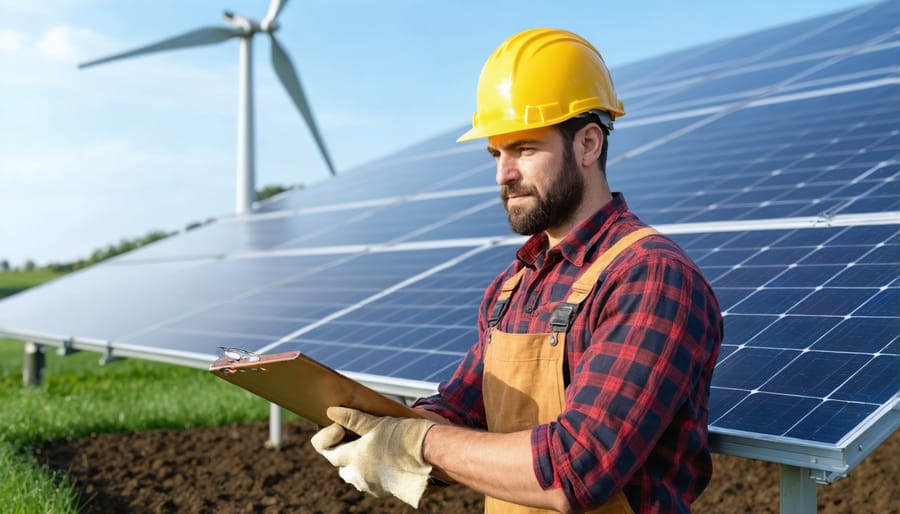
(11,42)
(68,43)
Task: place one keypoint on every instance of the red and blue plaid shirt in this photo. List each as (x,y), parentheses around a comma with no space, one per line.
(640,353)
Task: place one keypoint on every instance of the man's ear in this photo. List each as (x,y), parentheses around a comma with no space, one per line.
(590,138)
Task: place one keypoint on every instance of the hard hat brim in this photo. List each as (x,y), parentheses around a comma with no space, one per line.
(472,134)
(484,130)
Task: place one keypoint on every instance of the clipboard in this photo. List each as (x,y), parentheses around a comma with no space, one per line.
(303,385)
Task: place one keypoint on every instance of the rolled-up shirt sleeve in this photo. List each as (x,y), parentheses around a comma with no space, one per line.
(652,336)
(459,399)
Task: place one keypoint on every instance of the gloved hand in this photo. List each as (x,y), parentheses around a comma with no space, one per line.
(387,457)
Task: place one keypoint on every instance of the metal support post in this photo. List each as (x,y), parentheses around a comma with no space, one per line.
(66,348)
(33,365)
(275,433)
(798,491)
(108,356)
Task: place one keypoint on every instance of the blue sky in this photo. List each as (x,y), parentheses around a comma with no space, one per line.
(88,157)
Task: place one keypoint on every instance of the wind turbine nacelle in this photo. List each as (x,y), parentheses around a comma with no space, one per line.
(269,26)
(241,22)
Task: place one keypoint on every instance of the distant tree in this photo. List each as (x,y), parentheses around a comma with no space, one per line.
(4,265)
(110,251)
(63,267)
(154,236)
(197,224)
(274,189)
(101,254)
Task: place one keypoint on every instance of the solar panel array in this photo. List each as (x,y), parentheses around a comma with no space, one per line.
(772,158)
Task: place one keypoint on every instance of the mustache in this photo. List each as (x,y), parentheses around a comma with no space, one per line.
(515,190)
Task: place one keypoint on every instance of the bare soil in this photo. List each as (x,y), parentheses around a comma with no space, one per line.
(229,469)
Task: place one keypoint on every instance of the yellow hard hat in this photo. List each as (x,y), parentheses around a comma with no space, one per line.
(538,78)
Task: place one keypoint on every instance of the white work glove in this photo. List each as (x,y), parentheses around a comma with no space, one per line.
(387,457)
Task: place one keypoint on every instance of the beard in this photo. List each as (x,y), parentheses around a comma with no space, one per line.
(554,208)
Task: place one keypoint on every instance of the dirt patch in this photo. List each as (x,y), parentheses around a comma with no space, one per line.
(228,469)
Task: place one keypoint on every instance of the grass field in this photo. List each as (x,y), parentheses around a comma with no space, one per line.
(79,397)
(12,282)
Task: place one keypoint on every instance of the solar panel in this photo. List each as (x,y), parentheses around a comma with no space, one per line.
(804,317)
(750,171)
(772,158)
(413,171)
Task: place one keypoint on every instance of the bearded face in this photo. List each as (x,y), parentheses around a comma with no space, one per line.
(534,210)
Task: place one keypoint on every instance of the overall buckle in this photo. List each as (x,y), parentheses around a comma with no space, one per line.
(562,315)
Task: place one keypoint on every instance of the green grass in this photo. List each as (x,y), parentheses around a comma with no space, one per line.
(79,397)
(12,282)
(26,488)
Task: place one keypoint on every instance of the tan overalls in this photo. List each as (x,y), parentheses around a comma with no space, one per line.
(523,383)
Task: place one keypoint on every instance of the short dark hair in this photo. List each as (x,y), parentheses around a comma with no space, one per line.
(571,126)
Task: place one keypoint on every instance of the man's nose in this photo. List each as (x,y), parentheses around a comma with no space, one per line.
(507,170)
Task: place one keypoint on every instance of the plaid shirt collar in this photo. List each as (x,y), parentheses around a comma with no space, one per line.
(534,253)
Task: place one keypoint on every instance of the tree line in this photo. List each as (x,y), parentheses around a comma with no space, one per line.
(127,245)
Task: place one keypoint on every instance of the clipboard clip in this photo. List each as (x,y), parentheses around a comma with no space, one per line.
(234,354)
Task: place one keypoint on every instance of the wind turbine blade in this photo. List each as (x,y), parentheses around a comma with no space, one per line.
(204,36)
(275,7)
(285,71)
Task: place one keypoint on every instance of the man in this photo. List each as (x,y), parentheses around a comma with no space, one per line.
(588,387)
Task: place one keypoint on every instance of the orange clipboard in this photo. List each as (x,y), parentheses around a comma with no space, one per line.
(305,386)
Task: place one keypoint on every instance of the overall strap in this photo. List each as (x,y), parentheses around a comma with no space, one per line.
(562,315)
(506,291)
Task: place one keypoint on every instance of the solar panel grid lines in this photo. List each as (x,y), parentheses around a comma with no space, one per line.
(728,108)
(786,94)
(360,205)
(762,54)
(863,69)
(821,357)
(631,79)
(388,222)
(866,68)
(403,174)
(430,228)
(343,223)
(680,200)
(868,20)
(436,317)
(305,301)
(377,222)
(758,49)
(374,297)
(266,214)
(198,309)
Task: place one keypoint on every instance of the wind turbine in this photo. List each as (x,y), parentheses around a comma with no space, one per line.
(244,29)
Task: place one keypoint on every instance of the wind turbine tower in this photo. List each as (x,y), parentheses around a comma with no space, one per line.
(244,29)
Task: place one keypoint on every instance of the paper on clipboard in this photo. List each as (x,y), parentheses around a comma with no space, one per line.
(305,386)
